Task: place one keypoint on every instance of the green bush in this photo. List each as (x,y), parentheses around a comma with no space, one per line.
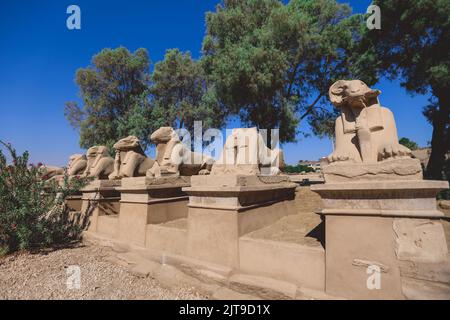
(33,213)
(297,169)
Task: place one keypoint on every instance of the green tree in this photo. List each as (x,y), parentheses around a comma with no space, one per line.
(114,91)
(181,94)
(273,63)
(413,44)
(409,143)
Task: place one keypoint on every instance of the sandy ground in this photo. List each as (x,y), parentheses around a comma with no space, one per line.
(303,228)
(45,276)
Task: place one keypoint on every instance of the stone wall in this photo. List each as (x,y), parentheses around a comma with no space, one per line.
(306,200)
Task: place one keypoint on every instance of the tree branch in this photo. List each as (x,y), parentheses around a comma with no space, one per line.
(309,109)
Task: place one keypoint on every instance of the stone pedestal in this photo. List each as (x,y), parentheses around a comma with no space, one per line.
(149,201)
(222,208)
(75,202)
(376,228)
(99,198)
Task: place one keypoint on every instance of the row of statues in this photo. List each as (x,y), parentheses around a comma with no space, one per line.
(365,133)
(244,153)
(131,161)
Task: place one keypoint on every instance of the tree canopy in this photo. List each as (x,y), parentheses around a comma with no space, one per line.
(273,63)
(114,91)
(413,45)
(181,94)
(412,145)
(121,97)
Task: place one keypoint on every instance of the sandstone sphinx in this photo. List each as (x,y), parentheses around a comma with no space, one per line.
(77,165)
(99,163)
(173,158)
(366,141)
(50,172)
(379,212)
(130,160)
(245,152)
(243,193)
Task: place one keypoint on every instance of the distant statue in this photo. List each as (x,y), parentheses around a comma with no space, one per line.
(99,163)
(365,131)
(245,152)
(50,172)
(77,164)
(130,160)
(174,158)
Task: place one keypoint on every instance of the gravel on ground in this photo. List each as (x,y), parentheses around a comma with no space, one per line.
(53,275)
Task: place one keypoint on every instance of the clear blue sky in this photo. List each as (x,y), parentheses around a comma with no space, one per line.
(39,57)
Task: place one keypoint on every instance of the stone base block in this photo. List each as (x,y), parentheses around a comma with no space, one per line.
(284,261)
(353,245)
(100,197)
(107,225)
(414,198)
(387,170)
(166,239)
(372,229)
(213,234)
(147,201)
(74,202)
(222,208)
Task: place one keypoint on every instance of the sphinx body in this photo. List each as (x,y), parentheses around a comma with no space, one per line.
(245,152)
(174,158)
(365,132)
(50,172)
(99,163)
(130,160)
(77,164)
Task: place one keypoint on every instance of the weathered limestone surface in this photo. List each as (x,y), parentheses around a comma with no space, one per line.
(392,169)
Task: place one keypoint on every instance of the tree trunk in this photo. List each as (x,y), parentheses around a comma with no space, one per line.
(440,141)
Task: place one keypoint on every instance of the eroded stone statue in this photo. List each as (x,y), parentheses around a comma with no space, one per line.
(365,131)
(366,141)
(174,158)
(77,164)
(245,152)
(130,160)
(50,172)
(99,163)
